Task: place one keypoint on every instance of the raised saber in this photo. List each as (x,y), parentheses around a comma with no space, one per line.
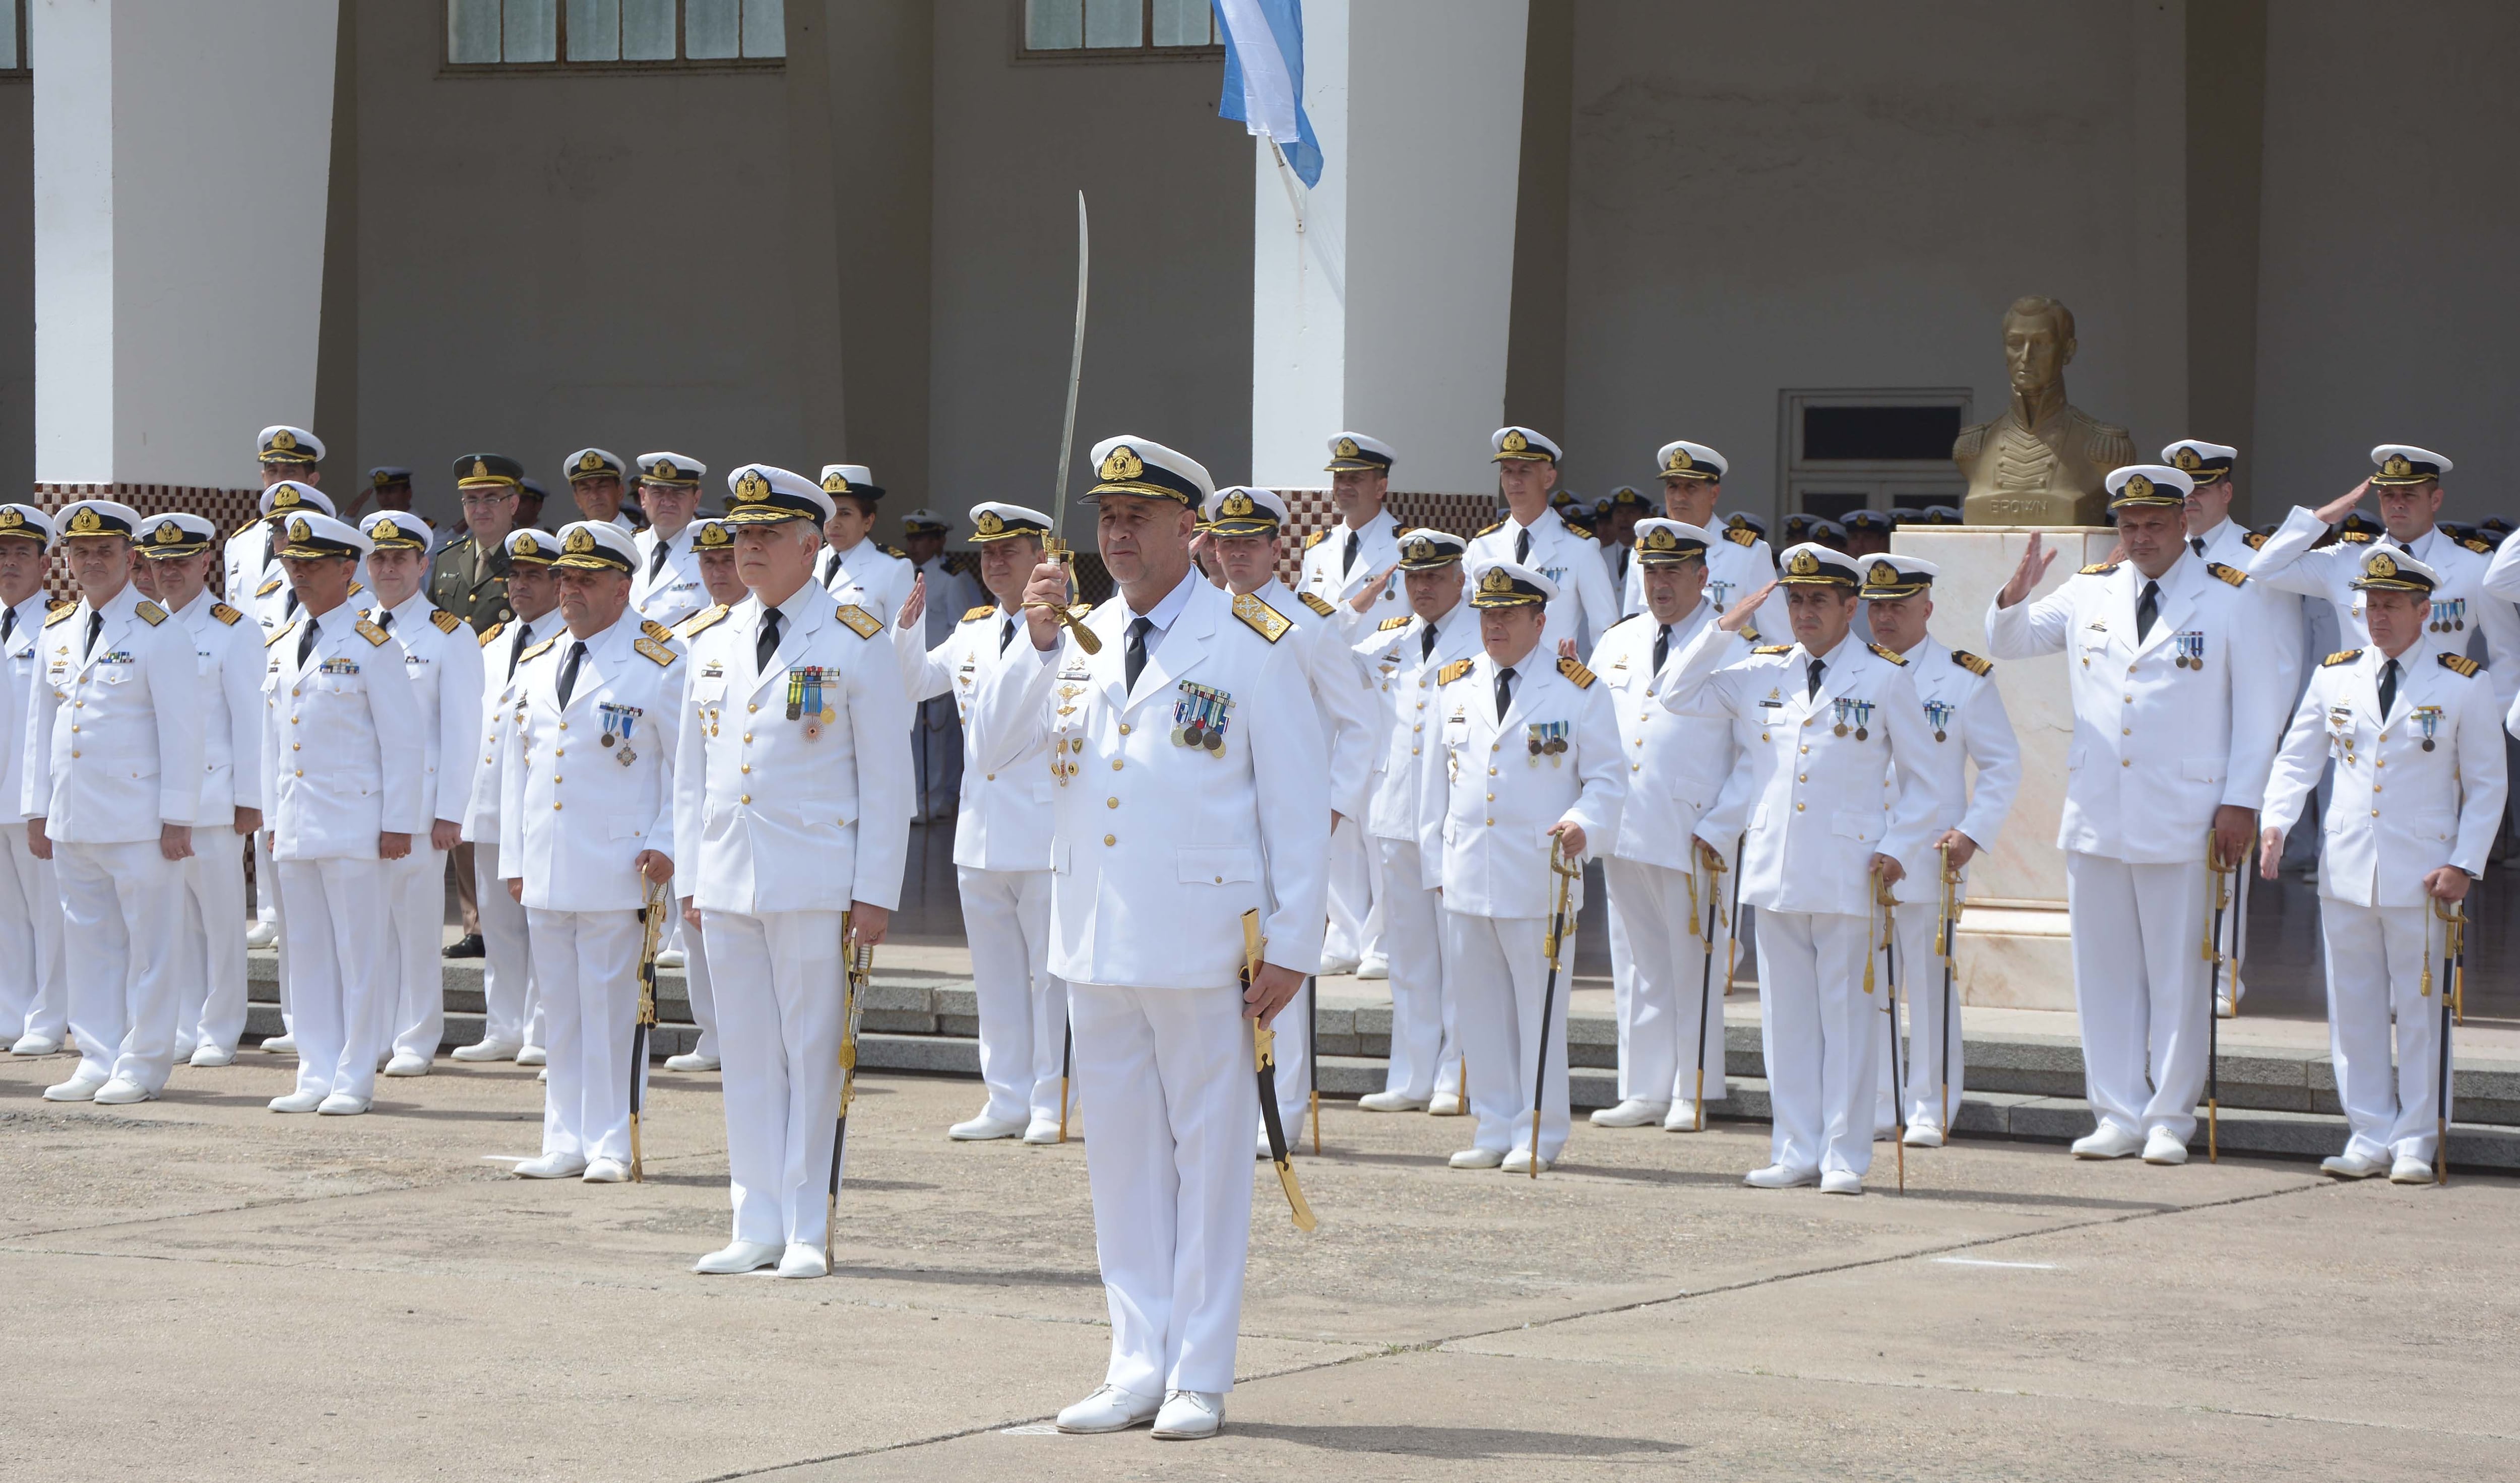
(1057,547)
(1264,1060)
(652,914)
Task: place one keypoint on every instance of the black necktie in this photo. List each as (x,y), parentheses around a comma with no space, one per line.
(766,644)
(1134,658)
(95,629)
(568,671)
(1348,562)
(1811,688)
(8,624)
(1006,632)
(2388,688)
(1662,647)
(831,566)
(385,620)
(1425,643)
(1504,691)
(525,640)
(288,609)
(1523,544)
(305,643)
(656,560)
(2197,543)
(2146,608)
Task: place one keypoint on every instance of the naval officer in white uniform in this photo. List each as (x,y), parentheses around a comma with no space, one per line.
(1739,564)
(667,587)
(2417,738)
(858,568)
(936,725)
(792,789)
(714,542)
(1193,788)
(250,558)
(1533,535)
(2176,715)
(35,994)
(112,786)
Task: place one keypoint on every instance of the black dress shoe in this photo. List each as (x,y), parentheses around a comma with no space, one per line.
(466,946)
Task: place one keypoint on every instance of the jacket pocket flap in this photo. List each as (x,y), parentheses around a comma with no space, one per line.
(1216,867)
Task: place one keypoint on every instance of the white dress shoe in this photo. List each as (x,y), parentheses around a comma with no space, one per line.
(342,1104)
(262,935)
(208,1054)
(1923,1136)
(607,1171)
(1841,1182)
(1682,1118)
(1189,1415)
(77,1089)
(1391,1102)
(738,1256)
(296,1102)
(1520,1161)
(2107,1141)
(2410,1170)
(1477,1158)
(280,1045)
(1041,1130)
(2354,1165)
(981,1129)
(1340,965)
(34,1044)
(383,1061)
(800,1260)
(530,1055)
(2161,1148)
(407,1063)
(1446,1105)
(1634,1112)
(122,1093)
(1109,1409)
(551,1166)
(486,1049)
(1376,967)
(1779,1177)
(543,1075)
(669,957)
(183,1049)
(691,1060)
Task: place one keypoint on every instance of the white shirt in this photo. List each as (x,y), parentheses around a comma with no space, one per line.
(113,751)
(591,782)
(341,741)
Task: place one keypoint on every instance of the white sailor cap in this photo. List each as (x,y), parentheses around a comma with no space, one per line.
(1664,542)
(1893,575)
(1521,445)
(165,537)
(992,521)
(313,534)
(1510,584)
(2389,568)
(852,480)
(397,530)
(925,521)
(594,464)
(1356,451)
(1239,510)
(25,523)
(281,444)
(2199,460)
(671,468)
(2138,486)
(596,545)
(1132,465)
(712,533)
(2406,464)
(1685,460)
(764,494)
(288,496)
(95,517)
(532,547)
(1813,564)
(1426,549)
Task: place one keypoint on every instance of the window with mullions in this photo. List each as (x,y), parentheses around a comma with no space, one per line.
(614,33)
(1119,29)
(13,38)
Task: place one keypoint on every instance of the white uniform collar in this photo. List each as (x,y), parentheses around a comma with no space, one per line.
(412,610)
(1168,608)
(1381,522)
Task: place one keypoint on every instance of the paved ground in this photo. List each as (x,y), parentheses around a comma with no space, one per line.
(201,1289)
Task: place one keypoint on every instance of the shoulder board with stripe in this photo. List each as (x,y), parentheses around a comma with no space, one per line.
(1389,624)
(2255,541)
(2341,656)
(60,611)
(1573,669)
(1972,662)
(247,525)
(1585,531)
(375,636)
(1316,538)
(149,613)
(2479,545)
(1741,535)
(538,649)
(492,632)
(1749,634)
(703,618)
(895,551)
(1487,529)
(860,621)
(2461,666)
(2098,569)
(2231,575)
(1899,660)
(225,615)
(654,630)
(1773,649)
(446,622)
(653,650)
(1314,603)
(267,588)
(285,630)
(976,614)
(1265,620)
(2354,537)
(1452,671)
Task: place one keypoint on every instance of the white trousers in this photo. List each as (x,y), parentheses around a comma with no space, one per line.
(2375,964)
(696,985)
(209,957)
(2139,989)
(34,985)
(335,956)
(1499,974)
(1169,1073)
(587,963)
(266,908)
(1355,929)
(1816,1030)
(1425,1049)
(1932,1046)
(778,979)
(1023,1007)
(120,904)
(507,990)
(1667,985)
(411,968)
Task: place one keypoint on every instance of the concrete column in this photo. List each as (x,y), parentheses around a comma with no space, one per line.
(181,153)
(1388,311)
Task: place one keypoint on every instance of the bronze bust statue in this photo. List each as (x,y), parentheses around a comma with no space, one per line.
(2043,461)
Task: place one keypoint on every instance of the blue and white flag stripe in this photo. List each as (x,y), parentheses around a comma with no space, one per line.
(1264,77)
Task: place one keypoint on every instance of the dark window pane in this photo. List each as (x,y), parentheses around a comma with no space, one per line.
(1872,434)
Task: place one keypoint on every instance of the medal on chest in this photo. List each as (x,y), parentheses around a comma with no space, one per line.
(805,701)
(2427,719)
(1857,712)
(1546,738)
(1201,716)
(618,723)
(2188,644)
(2450,614)
(1938,715)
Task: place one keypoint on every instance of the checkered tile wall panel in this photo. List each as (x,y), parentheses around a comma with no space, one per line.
(226,509)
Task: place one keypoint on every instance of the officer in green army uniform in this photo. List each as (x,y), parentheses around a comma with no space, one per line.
(469,577)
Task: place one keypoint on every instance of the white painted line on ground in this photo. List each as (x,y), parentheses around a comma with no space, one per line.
(1036,1429)
(1973,1261)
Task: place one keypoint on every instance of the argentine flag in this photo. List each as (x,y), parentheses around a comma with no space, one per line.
(1264,77)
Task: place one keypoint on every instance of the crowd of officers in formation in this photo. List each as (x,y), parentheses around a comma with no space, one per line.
(1176,807)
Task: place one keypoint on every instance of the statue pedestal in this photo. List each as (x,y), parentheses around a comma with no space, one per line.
(2015,947)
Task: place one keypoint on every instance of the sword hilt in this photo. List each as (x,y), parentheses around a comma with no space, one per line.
(1065,555)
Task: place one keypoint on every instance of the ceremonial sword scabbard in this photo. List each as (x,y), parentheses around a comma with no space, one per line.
(1264,1062)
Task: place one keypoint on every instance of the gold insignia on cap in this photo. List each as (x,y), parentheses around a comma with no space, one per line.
(480,469)
(753,488)
(11,519)
(2186,458)
(288,498)
(713,536)
(283,441)
(2379,565)
(382,528)
(1420,549)
(86,521)
(1496,581)
(1803,565)
(578,543)
(836,482)
(299,530)
(380,478)
(1123,463)
(1346,448)
(1661,539)
(988,523)
(2137,488)
(527,545)
(2398,467)
(1514,441)
(1883,574)
(590,462)
(1679,460)
(169,534)
(1238,505)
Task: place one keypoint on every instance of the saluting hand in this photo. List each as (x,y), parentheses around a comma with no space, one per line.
(914,605)
(1049,585)
(1737,617)
(2339,507)
(2036,559)
(1372,591)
